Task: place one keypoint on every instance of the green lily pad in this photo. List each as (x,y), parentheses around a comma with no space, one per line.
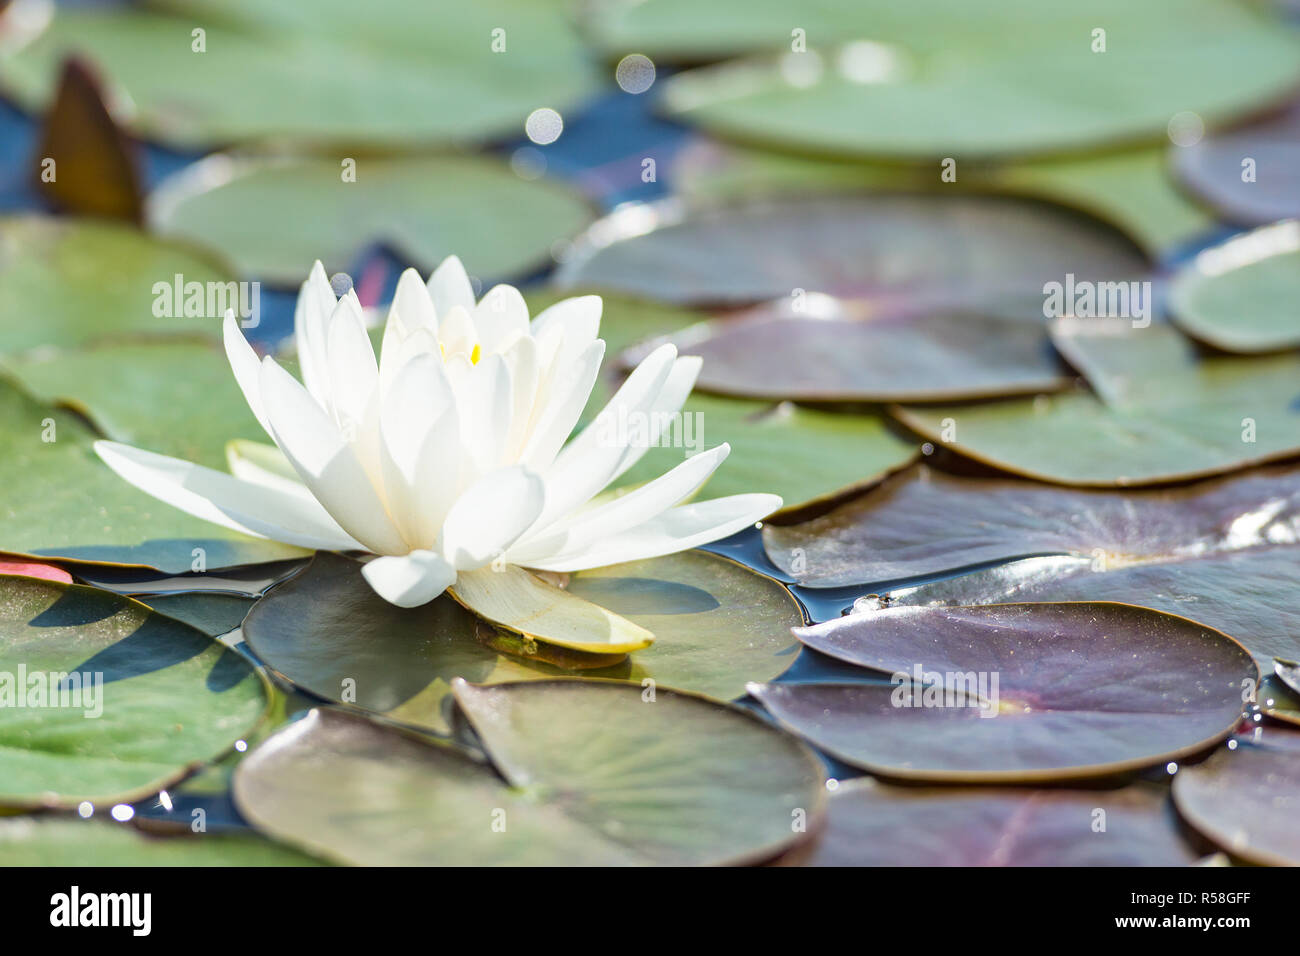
(920,521)
(716,625)
(846,351)
(175,398)
(213,614)
(837,451)
(1018,692)
(1241,296)
(1245,800)
(408,76)
(166,699)
(1249,174)
(1162,415)
(274,217)
(912,251)
(54,841)
(593,775)
(1023,80)
(869,823)
(252,580)
(67,282)
(61,501)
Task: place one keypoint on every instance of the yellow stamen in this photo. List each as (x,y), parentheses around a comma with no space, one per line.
(474,355)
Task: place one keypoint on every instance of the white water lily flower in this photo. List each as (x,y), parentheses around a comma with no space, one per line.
(447,458)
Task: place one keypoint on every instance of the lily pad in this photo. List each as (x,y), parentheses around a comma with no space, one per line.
(837,451)
(716,623)
(31,569)
(897,251)
(1279,700)
(1021,80)
(846,351)
(1241,296)
(151,700)
(1018,692)
(1249,174)
(1246,800)
(53,841)
(409,76)
(578,759)
(869,823)
(67,282)
(213,614)
(921,521)
(251,580)
(1162,414)
(61,501)
(175,398)
(1130,189)
(1248,593)
(274,217)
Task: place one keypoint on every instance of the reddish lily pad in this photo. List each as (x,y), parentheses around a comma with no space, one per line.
(1249,174)
(1246,799)
(586,773)
(893,250)
(1018,692)
(716,623)
(921,521)
(30,569)
(869,823)
(846,351)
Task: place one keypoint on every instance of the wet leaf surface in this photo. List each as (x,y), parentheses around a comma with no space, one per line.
(61,501)
(934,82)
(168,698)
(54,841)
(1082,690)
(272,218)
(1241,296)
(67,282)
(716,626)
(593,775)
(921,521)
(410,76)
(874,824)
(921,251)
(1279,700)
(1247,799)
(1216,171)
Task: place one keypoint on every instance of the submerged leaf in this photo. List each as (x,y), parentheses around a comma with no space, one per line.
(578,758)
(1018,692)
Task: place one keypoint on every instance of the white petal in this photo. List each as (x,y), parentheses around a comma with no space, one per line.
(217,497)
(501,318)
(552,424)
(413,303)
(246,366)
(419,427)
(409,580)
(521,361)
(456,332)
(490,515)
(353,371)
(450,287)
(679,529)
(579,321)
(589,462)
(583,529)
(664,408)
(265,465)
(486,403)
(327,465)
(311,314)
